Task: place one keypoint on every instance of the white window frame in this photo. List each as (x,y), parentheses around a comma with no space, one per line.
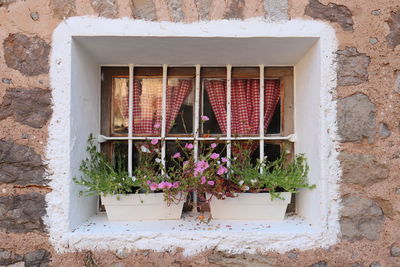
(74,79)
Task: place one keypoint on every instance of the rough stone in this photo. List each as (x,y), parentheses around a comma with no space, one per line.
(352,67)
(203,8)
(144,9)
(105,8)
(320,264)
(357,265)
(393,38)
(332,12)
(8,257)
(89,260)
(28,106)
(375,264)
(22,213)
(376,12)
(239,260)
(276,10)
(175,10)
(6,81)
(37,258)
(362,169)
(6,3)
(397,191)
(360,218)
(235,10)
(63,8)
(121,254)
(356,118)
(18,264)
(373,41)
(28,55)
(384,130)
(397,84)
(20,164)
(34,16)
(292,255)
(395,250)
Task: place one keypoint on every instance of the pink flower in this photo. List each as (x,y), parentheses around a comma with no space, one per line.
(211,182)
(204,118)
(176,184)
(185,162)
(213,145)
(201,166)
(167,185)
(148,182)
(153,186)
(203,180)
(176,155)
(214,156)
(221,170)
(154,141)
(189,146)
(223,159)
(157,125)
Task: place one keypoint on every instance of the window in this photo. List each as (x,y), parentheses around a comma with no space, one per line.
(168,104)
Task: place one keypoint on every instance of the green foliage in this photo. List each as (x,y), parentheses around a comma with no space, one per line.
(274,177)
(100,176)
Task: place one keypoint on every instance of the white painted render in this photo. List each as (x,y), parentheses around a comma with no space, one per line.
(81,44)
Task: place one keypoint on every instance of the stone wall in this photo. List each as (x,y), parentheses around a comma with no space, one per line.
(368,95)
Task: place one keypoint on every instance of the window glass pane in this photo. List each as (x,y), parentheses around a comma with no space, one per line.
(211,127)
(180,103)
(147,106)
(274,126)
(120,96)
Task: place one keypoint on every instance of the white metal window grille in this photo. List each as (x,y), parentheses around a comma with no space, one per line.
(195,137)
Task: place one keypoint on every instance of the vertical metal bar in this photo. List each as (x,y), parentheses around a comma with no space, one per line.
(130,120)
(164,112)
(228,110)
(196,126)
(261,112)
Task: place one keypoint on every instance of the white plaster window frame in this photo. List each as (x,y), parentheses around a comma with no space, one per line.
(75,79)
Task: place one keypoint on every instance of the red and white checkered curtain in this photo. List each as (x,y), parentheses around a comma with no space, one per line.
(245,105)
(147,106)
(175,97)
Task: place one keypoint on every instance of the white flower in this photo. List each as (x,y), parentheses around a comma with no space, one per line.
(158,160)
(246,188)
(144,149)
(241,182)
(253,181)
(133,178)
(219,162)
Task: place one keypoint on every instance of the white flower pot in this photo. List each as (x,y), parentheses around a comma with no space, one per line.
(136,207)
(250,206)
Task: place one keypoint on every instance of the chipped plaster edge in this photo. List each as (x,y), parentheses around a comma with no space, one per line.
(57,152)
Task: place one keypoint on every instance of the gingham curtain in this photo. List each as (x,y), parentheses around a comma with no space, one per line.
(147,105)
(245,105)
(175,97)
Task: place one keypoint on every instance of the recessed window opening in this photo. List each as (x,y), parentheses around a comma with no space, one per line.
(244,106)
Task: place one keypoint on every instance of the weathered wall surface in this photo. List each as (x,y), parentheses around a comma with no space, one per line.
(368,119)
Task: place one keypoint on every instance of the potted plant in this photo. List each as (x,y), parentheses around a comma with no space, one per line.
(261,191)
(149,194)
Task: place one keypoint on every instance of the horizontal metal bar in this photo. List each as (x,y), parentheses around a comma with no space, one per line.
(102,138)
(189,65)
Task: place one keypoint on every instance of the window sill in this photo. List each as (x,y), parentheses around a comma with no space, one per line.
(193,236)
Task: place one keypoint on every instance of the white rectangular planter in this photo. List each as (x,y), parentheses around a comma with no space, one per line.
(250,206)
(136,207)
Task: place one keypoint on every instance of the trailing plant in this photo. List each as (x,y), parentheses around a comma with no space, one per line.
(102,176)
